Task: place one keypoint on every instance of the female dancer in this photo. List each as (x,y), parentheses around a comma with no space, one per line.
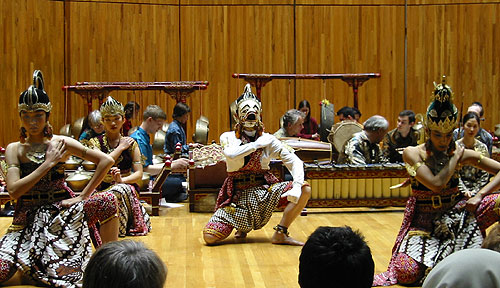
(310,130)
(48,242)
(472,179)
(438,219)
(134,220)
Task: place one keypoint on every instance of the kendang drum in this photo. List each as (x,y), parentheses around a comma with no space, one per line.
(342,132)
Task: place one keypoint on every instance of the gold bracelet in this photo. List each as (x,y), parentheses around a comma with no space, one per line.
(13,166)
(84,152)
(481,156)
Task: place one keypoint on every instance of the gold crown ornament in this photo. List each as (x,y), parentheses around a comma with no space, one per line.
(111,107)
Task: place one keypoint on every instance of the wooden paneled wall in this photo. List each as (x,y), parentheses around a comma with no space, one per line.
(168,40)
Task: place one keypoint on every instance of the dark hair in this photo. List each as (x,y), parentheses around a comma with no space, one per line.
(124,264)
(336,257)
(305,103)
(129,109)
(180,109)
(480,105)
(469,116)
(356,111)
(346,111)
(409,113)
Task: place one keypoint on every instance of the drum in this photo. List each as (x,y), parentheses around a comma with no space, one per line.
(201,130)
(326,121)
(342,132)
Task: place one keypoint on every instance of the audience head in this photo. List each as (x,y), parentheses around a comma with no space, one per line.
(346,113)
(95,121)
(293,121)
(406,120)
(305,108)
(468,268)
(124,264)
(181,112)
(336,257)
(376,128)
(131,110)
(492,240)
(153,118)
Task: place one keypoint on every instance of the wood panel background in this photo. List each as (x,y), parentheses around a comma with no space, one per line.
(160,40)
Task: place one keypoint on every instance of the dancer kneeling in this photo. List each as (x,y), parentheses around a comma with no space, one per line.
(251,192)
(48,242)
(439,220)
(121,179)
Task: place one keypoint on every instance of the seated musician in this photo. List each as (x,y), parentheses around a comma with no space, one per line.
(363,148)
(401,137)
(172,189)
(293,121)
(482,135)
(357,114)
(94,129)
(347,113)
(152,121)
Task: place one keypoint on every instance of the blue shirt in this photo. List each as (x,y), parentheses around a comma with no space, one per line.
(142,138)
(175,134)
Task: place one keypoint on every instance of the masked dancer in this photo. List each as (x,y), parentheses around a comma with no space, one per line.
(251,192)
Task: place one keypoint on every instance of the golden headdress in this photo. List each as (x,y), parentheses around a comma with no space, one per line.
(111,107)
(35,98)
(442,114)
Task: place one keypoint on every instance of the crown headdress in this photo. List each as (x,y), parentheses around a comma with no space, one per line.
(111,107)
(35,98)
(442,114)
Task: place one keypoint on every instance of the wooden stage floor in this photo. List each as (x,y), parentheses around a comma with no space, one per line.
(254,262)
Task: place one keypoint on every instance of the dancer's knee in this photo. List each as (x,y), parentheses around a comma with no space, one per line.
(408,271)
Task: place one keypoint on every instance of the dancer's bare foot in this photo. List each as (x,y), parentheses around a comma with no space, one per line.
(240,234)
(280,238)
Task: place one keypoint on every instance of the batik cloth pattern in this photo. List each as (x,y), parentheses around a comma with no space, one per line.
(247,199)
(435,226)
(472,179)
(133,218)
(46,242)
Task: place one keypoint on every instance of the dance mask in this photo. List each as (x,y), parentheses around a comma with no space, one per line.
(35,98)
(111,107)
(248,110)
(442,114)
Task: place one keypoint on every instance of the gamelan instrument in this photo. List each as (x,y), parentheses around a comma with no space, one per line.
(335,185)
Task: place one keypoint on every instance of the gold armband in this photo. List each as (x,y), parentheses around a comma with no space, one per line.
(13,166)
(412,169)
